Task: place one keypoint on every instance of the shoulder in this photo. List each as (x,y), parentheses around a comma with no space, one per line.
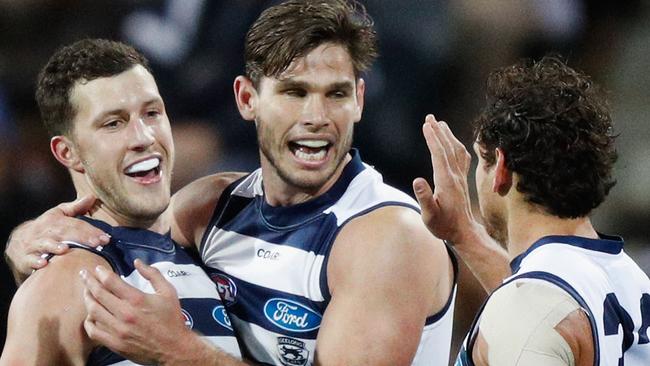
(61,274)
(391,245)
(530,322)
(191,207)
(47,311)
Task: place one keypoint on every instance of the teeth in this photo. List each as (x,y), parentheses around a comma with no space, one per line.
(143,166)
(312,143)
(311,156)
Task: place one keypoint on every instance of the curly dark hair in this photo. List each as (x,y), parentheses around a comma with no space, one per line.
(291,29)
(555,129)
(81,61)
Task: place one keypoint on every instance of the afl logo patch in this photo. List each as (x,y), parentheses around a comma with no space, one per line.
(292,351)
(189,322)
(220,316)
(226,288)
(291,315)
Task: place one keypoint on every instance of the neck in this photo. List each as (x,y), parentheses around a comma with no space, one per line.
(528,223)
(279,192)
(101,211)
(159,225)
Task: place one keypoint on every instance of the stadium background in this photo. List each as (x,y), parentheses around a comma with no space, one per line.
(434,57)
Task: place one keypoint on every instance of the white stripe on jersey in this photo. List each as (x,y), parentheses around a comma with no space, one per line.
(242,261)
(365,191)
(189,280)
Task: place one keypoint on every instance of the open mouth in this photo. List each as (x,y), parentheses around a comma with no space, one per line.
(147,169)
(310,150)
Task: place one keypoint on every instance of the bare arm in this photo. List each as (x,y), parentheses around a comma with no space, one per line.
(532,324)
(447,212)
(44,234)
(192,207)
(386,274)
(145,328)
(45,325)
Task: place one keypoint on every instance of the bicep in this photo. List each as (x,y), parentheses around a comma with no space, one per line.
(383,288)
(45,322)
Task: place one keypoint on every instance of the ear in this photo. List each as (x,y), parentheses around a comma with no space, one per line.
(361,92)
(502,175)
(64,151)
(246,97)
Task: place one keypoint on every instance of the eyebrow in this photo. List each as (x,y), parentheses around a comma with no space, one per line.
(118,111)
(291,84)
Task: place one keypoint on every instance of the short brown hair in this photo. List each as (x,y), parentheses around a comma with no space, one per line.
(293,28)
(83,61)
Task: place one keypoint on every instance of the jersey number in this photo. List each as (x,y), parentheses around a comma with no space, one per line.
(614,315)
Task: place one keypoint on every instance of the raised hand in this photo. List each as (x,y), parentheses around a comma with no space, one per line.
(446,212)
(30,241)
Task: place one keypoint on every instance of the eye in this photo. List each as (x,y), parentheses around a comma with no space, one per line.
(298,93)
(153,113)
(338,94)
(112,124)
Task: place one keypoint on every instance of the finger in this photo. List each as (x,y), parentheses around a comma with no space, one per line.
(96,312)
(439,131)
(153,275)
(98,333)
(48,245)
(424,195)
(80,231)
(78,207)
(439,161)
(101,294)
(461,155)
(37,261)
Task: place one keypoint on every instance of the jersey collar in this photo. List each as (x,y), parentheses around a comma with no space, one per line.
(605,244)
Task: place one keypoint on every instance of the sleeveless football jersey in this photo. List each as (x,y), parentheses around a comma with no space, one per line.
(607,284)
(270,263)
(200,303)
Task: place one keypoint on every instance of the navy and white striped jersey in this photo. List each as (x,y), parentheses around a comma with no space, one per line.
(200,302)
(270,263)
(604,280)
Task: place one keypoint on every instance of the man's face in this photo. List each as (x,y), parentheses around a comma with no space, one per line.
(123,139)
(490,202)
(305,118)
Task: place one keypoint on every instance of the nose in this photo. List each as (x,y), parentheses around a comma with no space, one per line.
(142,135)
(315,111)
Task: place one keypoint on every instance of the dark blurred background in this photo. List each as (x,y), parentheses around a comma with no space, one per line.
(435,57)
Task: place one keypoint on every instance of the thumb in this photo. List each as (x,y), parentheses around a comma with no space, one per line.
(424,195)
(78,207)
(153,275)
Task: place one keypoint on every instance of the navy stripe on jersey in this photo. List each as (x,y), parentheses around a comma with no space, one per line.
(292,216)
(454,263)
(248,223)
(607,244)
(251,296)
(200,303)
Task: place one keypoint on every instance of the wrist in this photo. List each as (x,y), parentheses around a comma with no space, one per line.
(192,349)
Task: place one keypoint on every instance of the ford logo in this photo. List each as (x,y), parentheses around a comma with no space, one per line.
(219,314)
(292,316)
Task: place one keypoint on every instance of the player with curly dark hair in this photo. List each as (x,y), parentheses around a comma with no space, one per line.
(545,146)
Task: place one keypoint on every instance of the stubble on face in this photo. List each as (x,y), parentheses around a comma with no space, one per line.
(114,197)
(270,149)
